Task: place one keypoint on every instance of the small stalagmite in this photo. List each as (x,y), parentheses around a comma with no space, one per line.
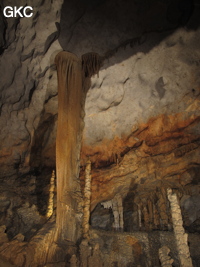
(74,261)
(51,196)
(87,200)
(180,236)
(156,218)
(162,206)
(165,260)
(146,218)
(139,217)
(150,209)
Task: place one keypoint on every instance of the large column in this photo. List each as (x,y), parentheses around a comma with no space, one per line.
(179,231)
(69,131)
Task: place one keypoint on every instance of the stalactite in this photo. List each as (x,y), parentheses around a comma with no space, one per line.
(91,64)
(179,231)
(117,207)
(165,260)
(51,196)
(87,196)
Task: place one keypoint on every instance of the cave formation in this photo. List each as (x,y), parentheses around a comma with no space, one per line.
(100,121)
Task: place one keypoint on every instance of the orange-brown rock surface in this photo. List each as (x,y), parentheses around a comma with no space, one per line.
(160,152)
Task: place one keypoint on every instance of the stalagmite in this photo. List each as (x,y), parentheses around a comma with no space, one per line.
(95,259)
(85,253)
(139,217)
(120,209)
(165,260)
(74,261)
(156,219)
(179,231)
(146,218)
(87,196)
(162,205)
(117,207)
(116,215)
(150,209)
(51,196)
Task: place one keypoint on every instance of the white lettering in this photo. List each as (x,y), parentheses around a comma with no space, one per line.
(17,11)
(9,11)
(31,13)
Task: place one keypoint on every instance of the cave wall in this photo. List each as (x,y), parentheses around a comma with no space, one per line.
(140,48)
(28,82)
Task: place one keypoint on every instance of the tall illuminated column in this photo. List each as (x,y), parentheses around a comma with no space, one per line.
(68,141)
(73,82)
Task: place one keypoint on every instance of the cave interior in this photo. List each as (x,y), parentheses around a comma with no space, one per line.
(100,134)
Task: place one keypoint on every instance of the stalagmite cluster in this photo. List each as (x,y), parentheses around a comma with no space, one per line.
(165,260)
(180,235)
(153,212)
(116,205)
(87,196)
(51,196)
